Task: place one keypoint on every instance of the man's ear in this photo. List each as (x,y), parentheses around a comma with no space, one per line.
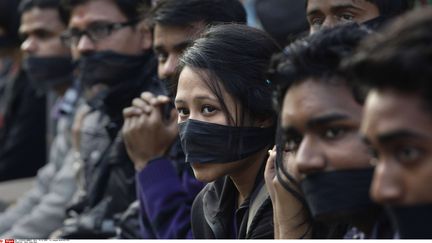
(146,36)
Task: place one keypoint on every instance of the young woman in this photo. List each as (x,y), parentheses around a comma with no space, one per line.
(226,124)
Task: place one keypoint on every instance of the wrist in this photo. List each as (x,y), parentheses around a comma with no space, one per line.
(141,164)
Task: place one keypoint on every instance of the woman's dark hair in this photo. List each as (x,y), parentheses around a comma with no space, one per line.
(319,57)
(398,58)
(235,57)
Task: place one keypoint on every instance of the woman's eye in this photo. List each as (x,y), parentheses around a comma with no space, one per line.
(207,109)
(183,111)
(408,154)
(333,133)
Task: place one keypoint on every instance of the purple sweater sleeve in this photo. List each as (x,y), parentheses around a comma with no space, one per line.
(166,200)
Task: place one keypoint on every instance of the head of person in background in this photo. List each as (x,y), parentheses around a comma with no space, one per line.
(47,62)
(109,41)
(9,22)
(177,23)
(271,13)
(9,38)
(397,123)
(226,124)
(10,54)
(319,130)
(329,13)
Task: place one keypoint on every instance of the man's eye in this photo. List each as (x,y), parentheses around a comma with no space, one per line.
(41,34)
(408,154)
(98,30)
(291,145)
(162,57)
(346,17)
(373,152)
(374,156)
(316,21)
(208,109)
(333,133)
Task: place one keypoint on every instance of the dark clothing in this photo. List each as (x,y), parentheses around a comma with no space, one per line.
(23,137)
(166,189)
(214,209)
(108,172)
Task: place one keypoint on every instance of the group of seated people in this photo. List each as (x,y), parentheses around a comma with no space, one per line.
(174,119)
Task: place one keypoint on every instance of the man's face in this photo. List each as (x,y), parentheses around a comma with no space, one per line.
(321,128)
(40,30)
(329,13)
(125,40)
(398,128)
(169,44)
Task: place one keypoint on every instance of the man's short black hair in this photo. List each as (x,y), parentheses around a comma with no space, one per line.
(130,8)
(390,7)
(27,5)
(186,12)
(399,58)
(317,56)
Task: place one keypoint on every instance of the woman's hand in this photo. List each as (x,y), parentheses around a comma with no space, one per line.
(145,131)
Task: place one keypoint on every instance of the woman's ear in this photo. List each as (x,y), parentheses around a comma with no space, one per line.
(146,36)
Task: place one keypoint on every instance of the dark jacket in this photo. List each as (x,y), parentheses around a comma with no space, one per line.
(213,213)
(23,136)
(108,172)
(166,189)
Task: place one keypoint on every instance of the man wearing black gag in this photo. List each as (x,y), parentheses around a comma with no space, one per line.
(48,64)
(327,162)
(397,123)
(112,46)
(22,108)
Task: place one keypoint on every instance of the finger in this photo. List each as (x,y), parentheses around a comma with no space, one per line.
(142,104)
(269,169)
(126,128)
(134,123)
(162,99)
(131,111)
(148,97)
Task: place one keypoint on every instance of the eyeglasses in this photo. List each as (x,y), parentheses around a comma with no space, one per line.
(95,32)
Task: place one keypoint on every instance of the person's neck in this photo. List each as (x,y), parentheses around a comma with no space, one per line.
(244,179)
